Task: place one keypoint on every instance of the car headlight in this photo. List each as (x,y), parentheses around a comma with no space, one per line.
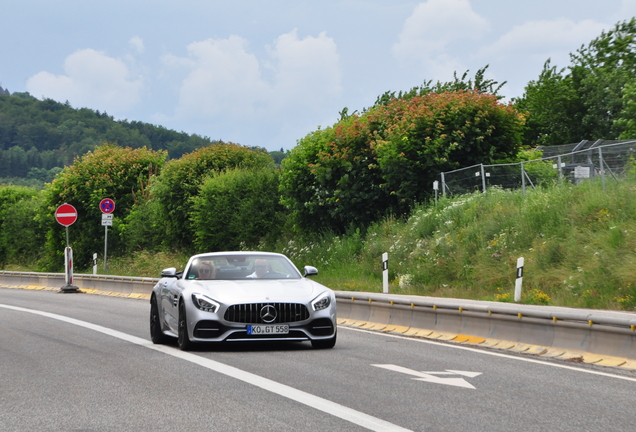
(321,302)
(205,303)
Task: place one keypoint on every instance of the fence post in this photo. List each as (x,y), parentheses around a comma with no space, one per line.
(600,158)
(560,169)
(436,189)
(523,180)
(443,185)
(483,178)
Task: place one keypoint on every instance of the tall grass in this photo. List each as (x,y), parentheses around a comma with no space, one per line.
(578,241)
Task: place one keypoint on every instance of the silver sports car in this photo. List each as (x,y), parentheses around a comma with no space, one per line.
(242,296)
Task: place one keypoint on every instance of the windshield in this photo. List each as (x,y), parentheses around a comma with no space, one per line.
(236,267)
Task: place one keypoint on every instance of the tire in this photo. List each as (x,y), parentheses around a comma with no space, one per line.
(324,343)
(156,334)
(183,340)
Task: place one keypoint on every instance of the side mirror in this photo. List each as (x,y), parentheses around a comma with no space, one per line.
(169,272)
(310,271)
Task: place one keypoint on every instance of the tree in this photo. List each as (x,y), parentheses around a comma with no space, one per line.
(480,84)
(584,101)
(441,132)
(555,111)
(331,179)
(385,160)
(107,172)
(626,123)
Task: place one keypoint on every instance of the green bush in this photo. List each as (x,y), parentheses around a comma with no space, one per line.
(238,208)
(330,180)
(180,180)
(426,135)
(384,161)
(21,234)
(108,172)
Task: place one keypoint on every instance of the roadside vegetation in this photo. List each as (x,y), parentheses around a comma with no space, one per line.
(578,241)
(348,192)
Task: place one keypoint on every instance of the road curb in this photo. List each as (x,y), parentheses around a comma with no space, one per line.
(572,356)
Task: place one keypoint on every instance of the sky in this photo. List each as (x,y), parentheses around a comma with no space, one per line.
(268,72)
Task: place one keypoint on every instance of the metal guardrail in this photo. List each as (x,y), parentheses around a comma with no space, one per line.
(609,333)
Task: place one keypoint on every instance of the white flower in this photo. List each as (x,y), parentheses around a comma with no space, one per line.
(405,280)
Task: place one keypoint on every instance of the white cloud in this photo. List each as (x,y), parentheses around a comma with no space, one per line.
(225,80)
(544,39)
(137,44)
(518,55)
(628,9)
(307,70)
(91,79)
(431,28)
(225,87)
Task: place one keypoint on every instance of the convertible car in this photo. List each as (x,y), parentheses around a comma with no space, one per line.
(242,296)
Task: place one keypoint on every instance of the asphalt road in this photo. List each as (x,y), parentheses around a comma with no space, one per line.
(91,367)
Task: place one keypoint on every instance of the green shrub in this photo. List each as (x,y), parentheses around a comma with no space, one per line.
(384,161)
(180,180)
(108,172)
(237,208)
(21,233)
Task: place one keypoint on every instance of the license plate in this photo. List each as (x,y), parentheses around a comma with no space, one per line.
(267,329)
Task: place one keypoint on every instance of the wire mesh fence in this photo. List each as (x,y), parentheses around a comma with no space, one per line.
(607,160)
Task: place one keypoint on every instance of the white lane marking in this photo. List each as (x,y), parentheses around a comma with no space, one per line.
(428,376)
(481,351)
(316,402)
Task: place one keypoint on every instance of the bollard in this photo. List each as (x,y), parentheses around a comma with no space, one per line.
(519,280)
(385,273)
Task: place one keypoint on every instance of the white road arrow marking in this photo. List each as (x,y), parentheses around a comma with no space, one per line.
(464,373)
(430,376)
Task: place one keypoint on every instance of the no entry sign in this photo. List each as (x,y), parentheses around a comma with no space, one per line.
(66,215)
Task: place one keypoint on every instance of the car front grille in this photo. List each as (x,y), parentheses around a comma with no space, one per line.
(250,313)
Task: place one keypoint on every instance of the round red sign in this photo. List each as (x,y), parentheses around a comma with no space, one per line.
(66,215)
(107,205)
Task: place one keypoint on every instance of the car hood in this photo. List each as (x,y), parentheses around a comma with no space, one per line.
(259,291)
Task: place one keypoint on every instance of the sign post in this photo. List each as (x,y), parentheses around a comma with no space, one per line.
(107,207)
(66,215)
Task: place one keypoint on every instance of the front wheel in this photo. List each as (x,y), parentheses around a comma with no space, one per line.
(324,343)
(183,340)
(156,334)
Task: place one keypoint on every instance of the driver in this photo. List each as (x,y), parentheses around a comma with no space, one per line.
(207,270)
(261,268)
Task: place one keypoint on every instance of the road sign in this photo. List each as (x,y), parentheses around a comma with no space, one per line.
(107,205)
(66,215)
(107,219)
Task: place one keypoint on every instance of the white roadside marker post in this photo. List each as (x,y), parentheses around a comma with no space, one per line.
(385,273)
(519,280)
